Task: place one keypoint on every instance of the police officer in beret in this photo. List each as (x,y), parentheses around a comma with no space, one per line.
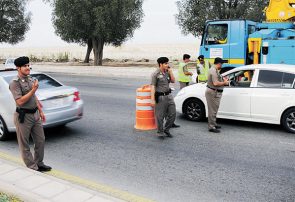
(28,116)
(214,92)
(162,97)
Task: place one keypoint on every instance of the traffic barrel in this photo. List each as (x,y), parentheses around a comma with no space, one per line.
(145,114)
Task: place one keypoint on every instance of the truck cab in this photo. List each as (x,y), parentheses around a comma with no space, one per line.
(227,39)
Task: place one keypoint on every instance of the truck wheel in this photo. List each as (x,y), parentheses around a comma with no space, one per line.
(194,110)
(288,120)
(3,130)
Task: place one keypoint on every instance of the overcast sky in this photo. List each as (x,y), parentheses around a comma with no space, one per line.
(158,27)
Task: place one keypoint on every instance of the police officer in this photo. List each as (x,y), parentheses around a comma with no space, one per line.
(28,116)
(213,93)
(184,76)
(162,98)
(202,70)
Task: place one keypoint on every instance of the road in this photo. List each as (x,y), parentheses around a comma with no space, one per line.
(246,162)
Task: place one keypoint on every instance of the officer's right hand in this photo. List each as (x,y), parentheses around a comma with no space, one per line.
(35,86)
(226,82)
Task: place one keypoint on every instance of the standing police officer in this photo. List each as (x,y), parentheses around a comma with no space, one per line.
(28,116)
(162,97)
(213,93)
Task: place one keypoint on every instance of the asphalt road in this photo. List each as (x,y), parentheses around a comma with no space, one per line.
(246,162)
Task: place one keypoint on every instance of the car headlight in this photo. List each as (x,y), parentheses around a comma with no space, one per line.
(181,92)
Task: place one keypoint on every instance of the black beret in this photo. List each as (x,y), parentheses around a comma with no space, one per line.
(21,61)
(162,60)
(219,61)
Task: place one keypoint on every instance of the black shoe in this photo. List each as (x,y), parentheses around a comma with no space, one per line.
(160,134)
(168,134)
(175,125)
(214,130)
(44,168)
(218,127)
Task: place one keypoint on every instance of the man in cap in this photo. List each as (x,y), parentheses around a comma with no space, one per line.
(28,116)
(184,76)
(162,97)
(202,70)
(213,93)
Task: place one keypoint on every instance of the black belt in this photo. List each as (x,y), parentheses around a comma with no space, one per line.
(27,111)
(158,94)
(162,94)
(22,113)
(218,90)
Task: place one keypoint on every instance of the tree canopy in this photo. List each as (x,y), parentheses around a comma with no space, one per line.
(14,21)
(194,13)
(97,22)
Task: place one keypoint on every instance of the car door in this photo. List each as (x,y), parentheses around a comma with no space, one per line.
(274,92)
(236,98)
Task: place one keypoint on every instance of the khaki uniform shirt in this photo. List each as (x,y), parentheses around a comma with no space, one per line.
(214,76)
(161,81)
(20,87)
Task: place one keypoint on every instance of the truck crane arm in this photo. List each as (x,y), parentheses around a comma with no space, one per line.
(280,11)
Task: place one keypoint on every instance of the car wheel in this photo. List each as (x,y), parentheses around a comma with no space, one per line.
(194,110)
(3,130)
(288,120)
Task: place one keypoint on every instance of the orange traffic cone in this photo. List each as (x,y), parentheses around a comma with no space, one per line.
(145,115)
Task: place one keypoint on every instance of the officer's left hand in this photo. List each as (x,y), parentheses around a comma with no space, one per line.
(42,116)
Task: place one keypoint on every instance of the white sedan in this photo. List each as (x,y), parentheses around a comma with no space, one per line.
(259,93)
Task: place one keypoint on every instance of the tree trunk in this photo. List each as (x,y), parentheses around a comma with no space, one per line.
(98,45)
(89,49)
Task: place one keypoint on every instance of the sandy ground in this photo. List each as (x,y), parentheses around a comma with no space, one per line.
(130,52)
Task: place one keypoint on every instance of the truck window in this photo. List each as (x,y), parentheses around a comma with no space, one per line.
(251,29)
(216,34)
(270,79)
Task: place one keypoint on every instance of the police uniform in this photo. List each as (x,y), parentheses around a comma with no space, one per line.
(165,106)
(31,125)
(213,96)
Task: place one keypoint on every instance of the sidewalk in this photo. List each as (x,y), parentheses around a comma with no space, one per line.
(103,71)
(32,186)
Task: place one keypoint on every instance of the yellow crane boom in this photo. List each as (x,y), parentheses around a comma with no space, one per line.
(280,11)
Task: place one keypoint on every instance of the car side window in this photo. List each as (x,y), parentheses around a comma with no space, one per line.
(241,79)
(270,79)
(288,80)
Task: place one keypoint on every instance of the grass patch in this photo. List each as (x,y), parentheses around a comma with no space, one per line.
(7,198)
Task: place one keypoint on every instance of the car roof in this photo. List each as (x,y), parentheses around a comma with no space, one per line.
(273,67)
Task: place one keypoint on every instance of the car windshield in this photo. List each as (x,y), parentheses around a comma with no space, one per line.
(44,81)
(10,61)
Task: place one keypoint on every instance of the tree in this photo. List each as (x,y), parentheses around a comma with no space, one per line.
(14,21)
(97,22)
(194,13)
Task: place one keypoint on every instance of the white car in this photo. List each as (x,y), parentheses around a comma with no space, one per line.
(259,93)
(9,64)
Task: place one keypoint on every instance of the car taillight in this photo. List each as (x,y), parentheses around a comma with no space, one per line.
(76,96)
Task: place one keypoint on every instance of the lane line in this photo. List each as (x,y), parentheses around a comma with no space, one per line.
(105,189)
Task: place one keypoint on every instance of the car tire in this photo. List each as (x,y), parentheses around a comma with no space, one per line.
(3,130)
(194,110)
(288,120)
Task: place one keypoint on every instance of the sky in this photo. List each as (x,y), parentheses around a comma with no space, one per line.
(159,26)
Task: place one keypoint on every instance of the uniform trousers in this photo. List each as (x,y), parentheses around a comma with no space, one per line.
(32,126)
(165,109)
(213,101)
